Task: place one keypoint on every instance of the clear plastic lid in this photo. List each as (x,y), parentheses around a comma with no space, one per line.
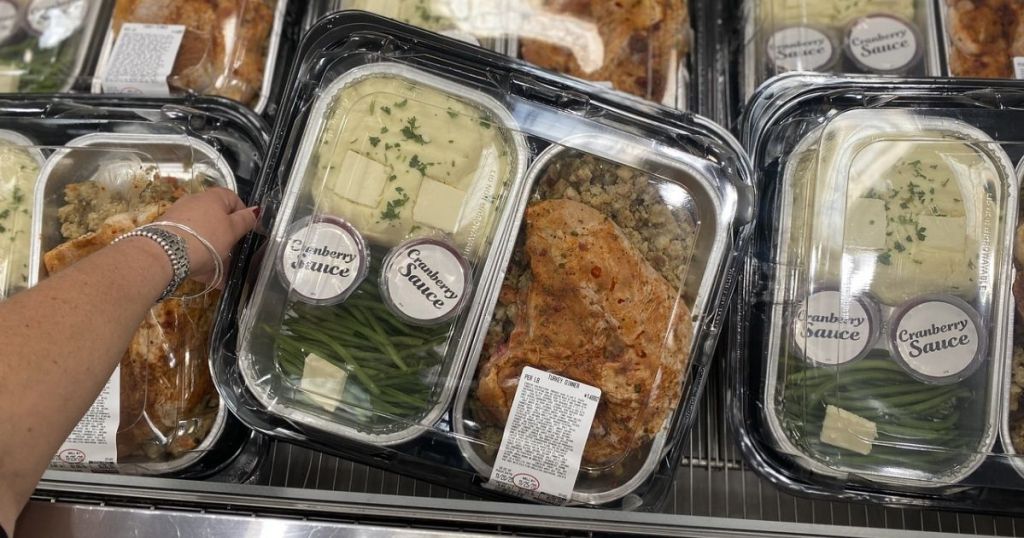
(110,167)
(593,244)
(397,154)
(20,161)
(479,22)
(43,43)
(225,48)
(601,288)
(880,357)
(638,47)
(874,37)
(980,38)
(90,192)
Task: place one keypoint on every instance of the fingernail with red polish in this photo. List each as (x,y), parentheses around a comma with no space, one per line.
(256,211)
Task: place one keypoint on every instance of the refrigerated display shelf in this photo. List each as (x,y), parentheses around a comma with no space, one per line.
(712,481)
(715,495)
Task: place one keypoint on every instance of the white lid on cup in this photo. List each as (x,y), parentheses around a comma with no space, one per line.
(883,44)
(830,329)
(938,339)
(425,281)
(323,260)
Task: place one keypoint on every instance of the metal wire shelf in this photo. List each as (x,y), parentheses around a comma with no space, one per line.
(712,480)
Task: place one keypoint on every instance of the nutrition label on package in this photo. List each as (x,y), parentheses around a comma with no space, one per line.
(92,445)
(543,443)
(142,59)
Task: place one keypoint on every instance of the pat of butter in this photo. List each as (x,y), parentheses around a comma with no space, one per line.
(323,382)
(865,224)
(361,180)
(943,233)
(10,78)
(844,429)
(439,206)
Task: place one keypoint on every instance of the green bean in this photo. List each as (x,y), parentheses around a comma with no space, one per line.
(861,365)
(383,338)
(945,422)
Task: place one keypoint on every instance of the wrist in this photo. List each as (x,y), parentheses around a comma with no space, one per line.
(151,254)
(174,250)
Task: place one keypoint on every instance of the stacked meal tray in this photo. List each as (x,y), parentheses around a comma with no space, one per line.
(444,242)
(84,170)
(481,267)
(637,47)
(881,360)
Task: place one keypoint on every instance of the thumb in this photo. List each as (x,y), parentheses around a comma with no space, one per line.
(242,221)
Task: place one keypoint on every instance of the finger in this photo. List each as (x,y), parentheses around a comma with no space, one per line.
(231,201)
(242,222)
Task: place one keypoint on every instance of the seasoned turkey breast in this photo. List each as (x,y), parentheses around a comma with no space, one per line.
(224,49)
(641,42)
(167,399)
(594,311)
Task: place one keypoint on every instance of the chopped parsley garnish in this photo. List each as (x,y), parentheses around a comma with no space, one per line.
(417,164)
(885,259)
(386,110)
(452,114)
(391,212)
(409,131)
(899,246)
(383,130)
(392,177)
(486,124)
(374,141)
(920,233)
(402,103)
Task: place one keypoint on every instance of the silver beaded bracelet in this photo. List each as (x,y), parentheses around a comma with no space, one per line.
(218,264)
(177,253)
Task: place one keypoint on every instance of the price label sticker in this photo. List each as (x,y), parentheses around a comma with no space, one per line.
(92,445)
(143,58)
(546,432)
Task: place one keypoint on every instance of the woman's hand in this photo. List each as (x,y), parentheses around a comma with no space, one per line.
(218,216)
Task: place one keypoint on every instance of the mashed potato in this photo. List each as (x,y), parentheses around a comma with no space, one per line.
(400,160)
(18,173)
(835,13)
(896,208)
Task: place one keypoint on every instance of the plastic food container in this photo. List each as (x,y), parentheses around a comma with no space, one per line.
(393,153)
(644,201)
(876,355)
(21,161)
(115,164)
(979,39)
(877,37)
(678,229)
(640,48)
(233,59)
(1012,423)
(479,23)
(44,43)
